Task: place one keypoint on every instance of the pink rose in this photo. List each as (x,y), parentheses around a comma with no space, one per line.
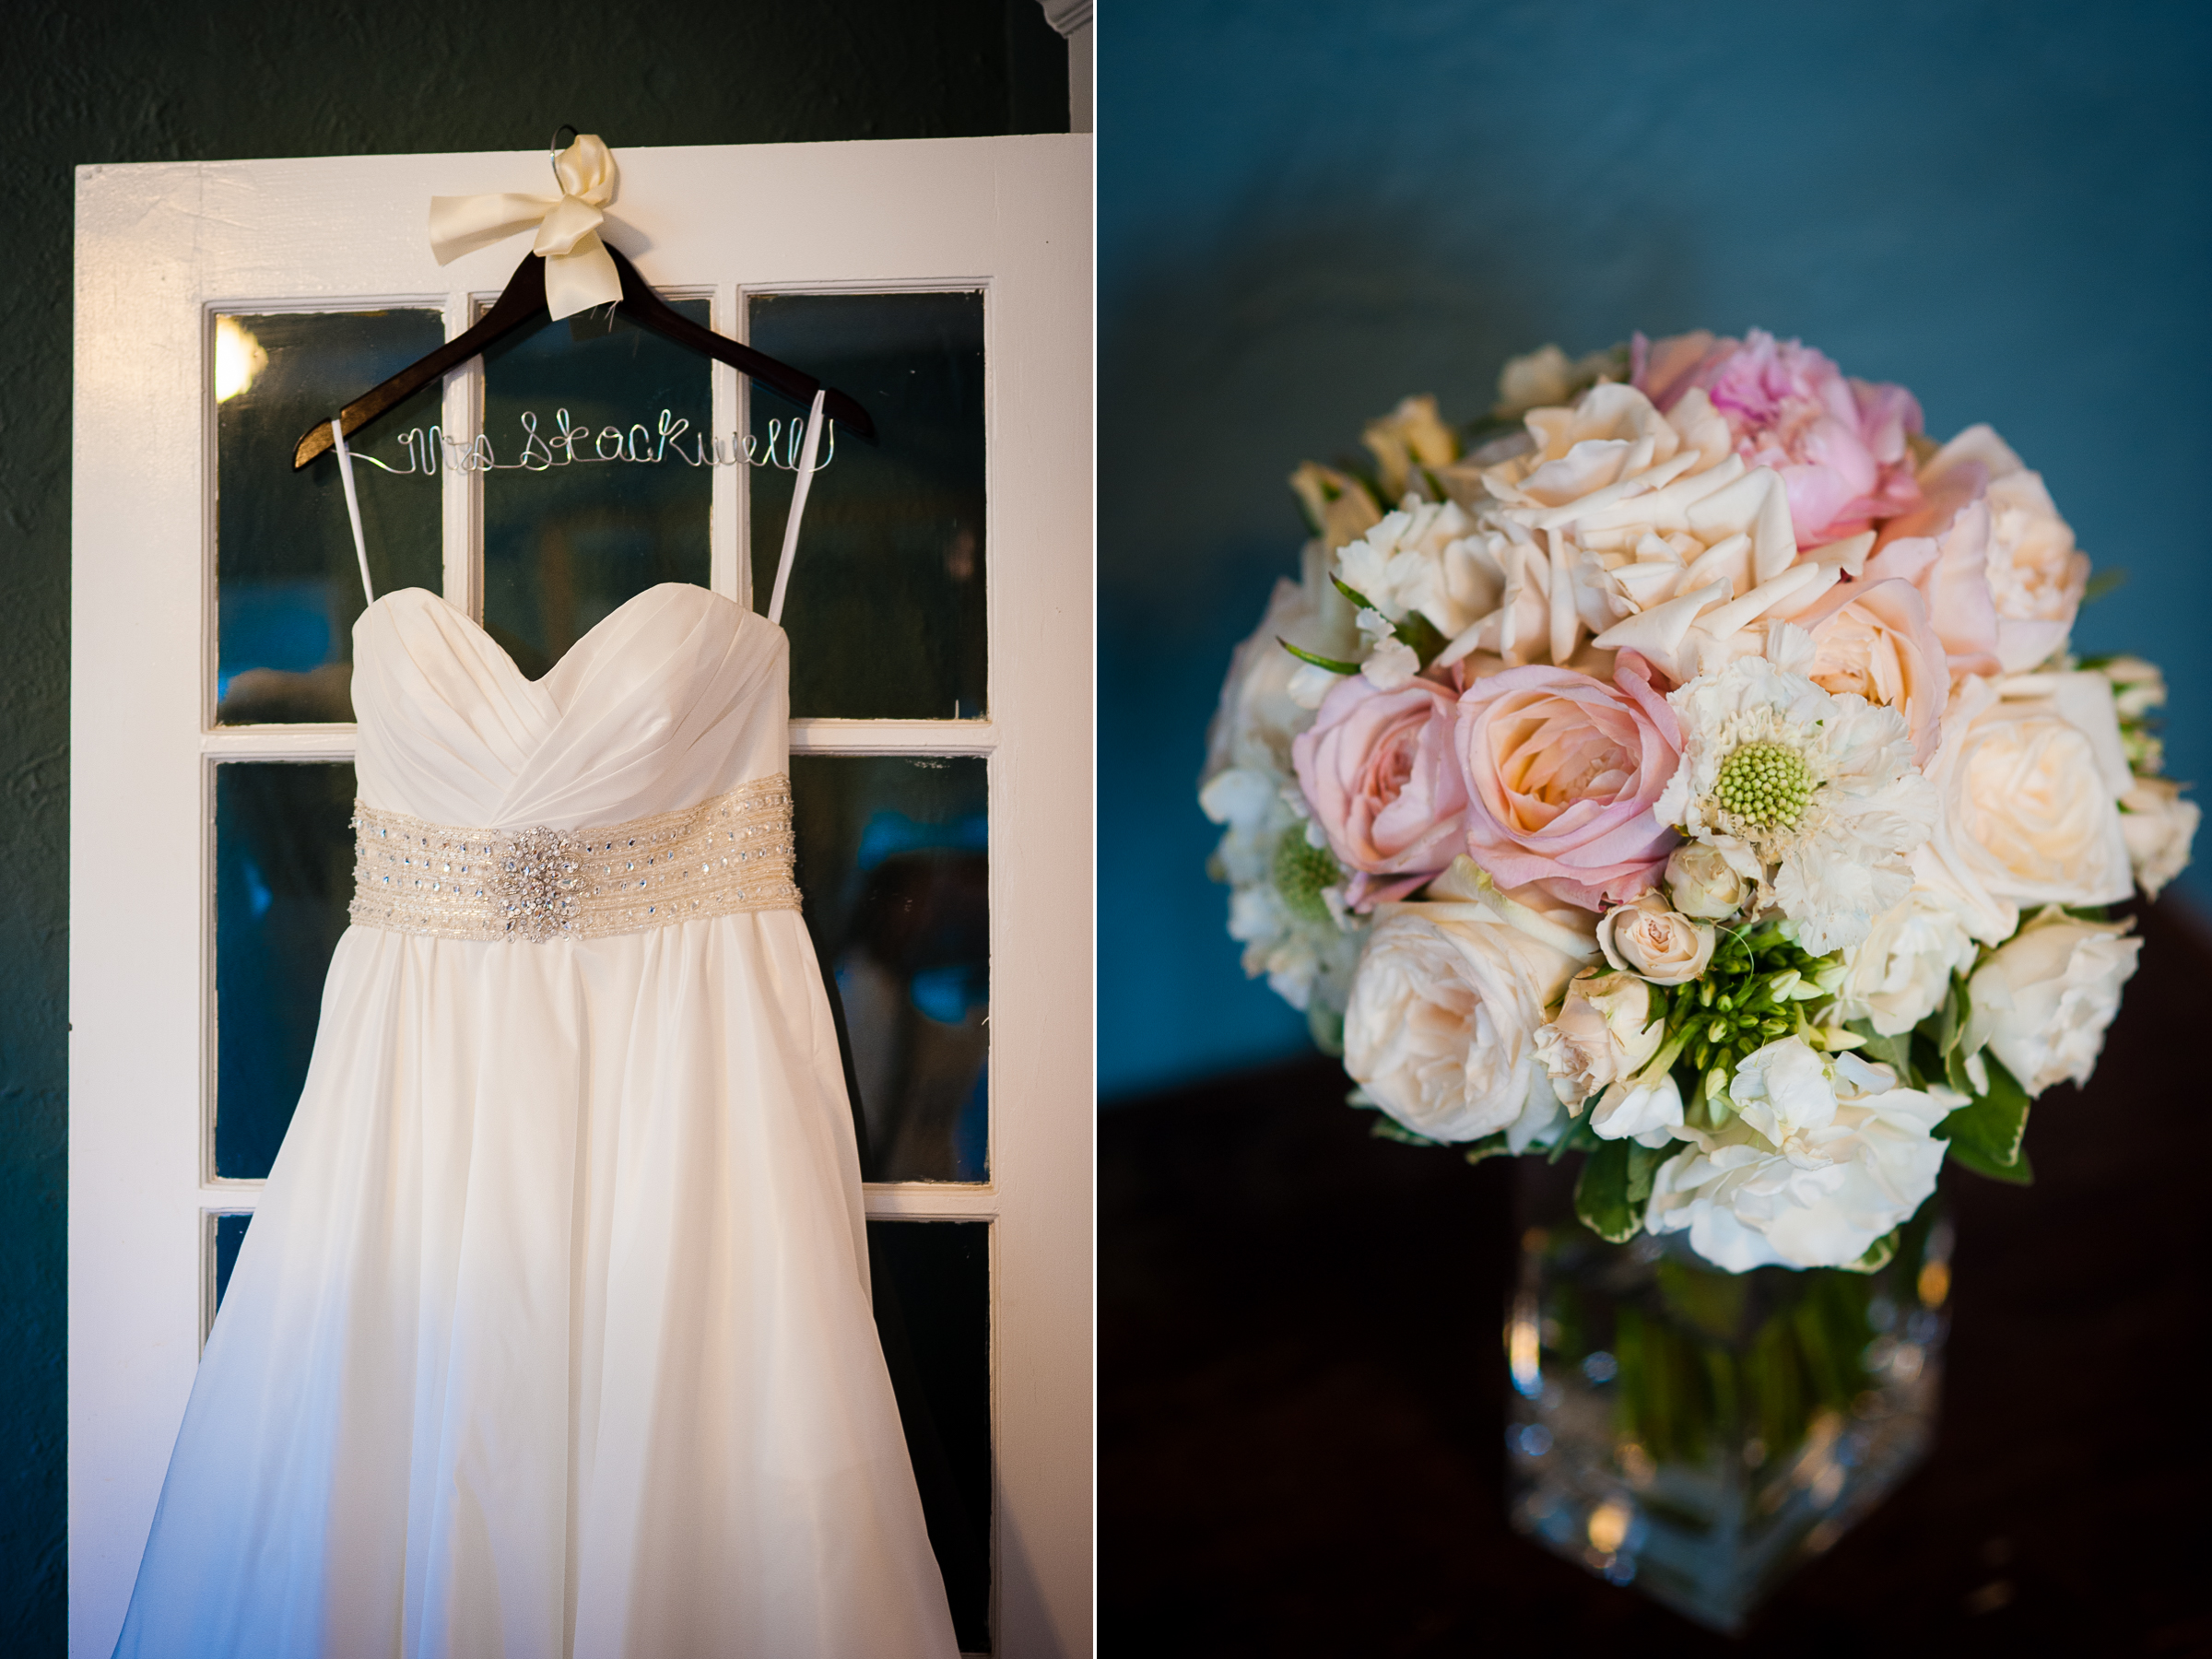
(1379,773)
(1873,639)
(1562,770)
(1988,550)
(1839,445)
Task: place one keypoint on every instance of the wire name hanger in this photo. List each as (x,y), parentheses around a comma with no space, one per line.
(570,445)
(569,241)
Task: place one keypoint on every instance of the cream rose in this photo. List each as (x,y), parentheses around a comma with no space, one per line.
(1446,1004)
(1873,638)
(1901,971)
(2158,826)
(1604,1035)
(1648,939)
(2043,1001)
(2036,575)
(2030,770)
(1712,880)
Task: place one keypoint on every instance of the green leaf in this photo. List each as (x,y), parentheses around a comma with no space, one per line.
(2103,582)
(1643,1163)
(1878,1255)
(1601,1193)
(1579,1137)
(1388,1128)
(1331,663)
(1894,1052)
(2017,1173)
(1988,1129)
(1490,1145)
(1353,594)
(1423,635)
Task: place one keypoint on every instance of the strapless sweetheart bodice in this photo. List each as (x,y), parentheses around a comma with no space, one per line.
(677,695)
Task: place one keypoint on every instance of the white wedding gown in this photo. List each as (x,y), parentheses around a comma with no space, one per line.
(552,1335)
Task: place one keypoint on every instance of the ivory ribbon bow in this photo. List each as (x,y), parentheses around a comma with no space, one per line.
(579,275)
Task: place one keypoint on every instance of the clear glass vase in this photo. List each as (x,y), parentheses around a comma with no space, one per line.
(1700,1434)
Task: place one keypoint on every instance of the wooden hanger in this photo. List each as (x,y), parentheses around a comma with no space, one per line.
(524,300)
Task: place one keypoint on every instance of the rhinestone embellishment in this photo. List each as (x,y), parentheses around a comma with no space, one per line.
(731,854)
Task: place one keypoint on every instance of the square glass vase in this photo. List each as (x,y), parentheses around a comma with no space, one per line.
(1701,1434)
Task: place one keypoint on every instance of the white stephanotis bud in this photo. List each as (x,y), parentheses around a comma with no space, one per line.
(1649,939)
(1714,880)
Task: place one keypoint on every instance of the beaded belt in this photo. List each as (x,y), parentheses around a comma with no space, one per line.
(731,854)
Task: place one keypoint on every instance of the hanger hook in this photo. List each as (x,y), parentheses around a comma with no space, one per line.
(553,153)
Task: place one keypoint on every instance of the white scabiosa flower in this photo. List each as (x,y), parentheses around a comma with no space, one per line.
(1822,1157)
(1821,787)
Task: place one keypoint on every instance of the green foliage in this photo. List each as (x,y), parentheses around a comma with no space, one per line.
(1490,1145)
(1386,1127)
(1416,630)
(1302,871)
(1331,663)
(1750,996)
(1601,1193)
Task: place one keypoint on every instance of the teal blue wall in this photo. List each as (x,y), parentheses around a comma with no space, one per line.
(1306,210)
(82,82)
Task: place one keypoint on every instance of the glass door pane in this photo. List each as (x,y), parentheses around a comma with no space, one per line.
(579,514)
(288,582)
(886,605)
(895,869)
(283,878)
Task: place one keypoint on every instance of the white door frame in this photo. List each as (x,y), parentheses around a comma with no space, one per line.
(159,249)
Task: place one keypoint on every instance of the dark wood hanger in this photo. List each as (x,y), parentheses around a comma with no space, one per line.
(524,300)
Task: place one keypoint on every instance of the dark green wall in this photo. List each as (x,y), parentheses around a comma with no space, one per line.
(220,79)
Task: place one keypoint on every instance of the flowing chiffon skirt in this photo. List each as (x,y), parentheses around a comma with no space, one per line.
(551,1335)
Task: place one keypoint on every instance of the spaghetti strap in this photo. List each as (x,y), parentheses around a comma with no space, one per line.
(353,508)
(799,508)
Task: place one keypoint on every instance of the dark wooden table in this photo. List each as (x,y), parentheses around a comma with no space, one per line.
(1301,1430)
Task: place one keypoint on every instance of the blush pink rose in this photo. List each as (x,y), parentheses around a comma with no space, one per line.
(1838,444)
(1562,770)
(1874,640)
(1380,775)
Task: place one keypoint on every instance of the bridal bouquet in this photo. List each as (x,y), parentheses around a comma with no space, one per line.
(1687,767)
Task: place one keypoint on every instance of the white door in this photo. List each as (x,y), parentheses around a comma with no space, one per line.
(940,621)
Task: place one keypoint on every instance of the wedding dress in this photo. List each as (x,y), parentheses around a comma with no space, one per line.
(551,1335)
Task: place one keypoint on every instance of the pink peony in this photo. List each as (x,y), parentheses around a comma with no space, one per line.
(1840,445)
(1379,773)
(1562,770)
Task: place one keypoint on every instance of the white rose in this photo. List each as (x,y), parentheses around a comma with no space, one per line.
(1648,938)
(1259,713)
(1411,435)
(1712,880)
(2043,1001)
(1418,559)
(1901,973)
(1604,1034)
(1645,529)
(2036,575)
(1824,1156)
(2159,826)
(1446,1004)
(1546,377)
(2030,771)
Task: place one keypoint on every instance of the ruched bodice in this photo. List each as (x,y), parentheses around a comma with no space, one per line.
(677,696)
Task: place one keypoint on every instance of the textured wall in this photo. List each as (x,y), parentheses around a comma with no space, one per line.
(1306,210)
(85,82)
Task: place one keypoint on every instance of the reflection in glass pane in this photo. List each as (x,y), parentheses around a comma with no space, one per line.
(932,1311)
(229,1233)
(563,547)
(283,878)
(886,605)
(288,585)
(894,865)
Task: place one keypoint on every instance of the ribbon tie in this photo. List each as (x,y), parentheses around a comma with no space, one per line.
(579,275)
